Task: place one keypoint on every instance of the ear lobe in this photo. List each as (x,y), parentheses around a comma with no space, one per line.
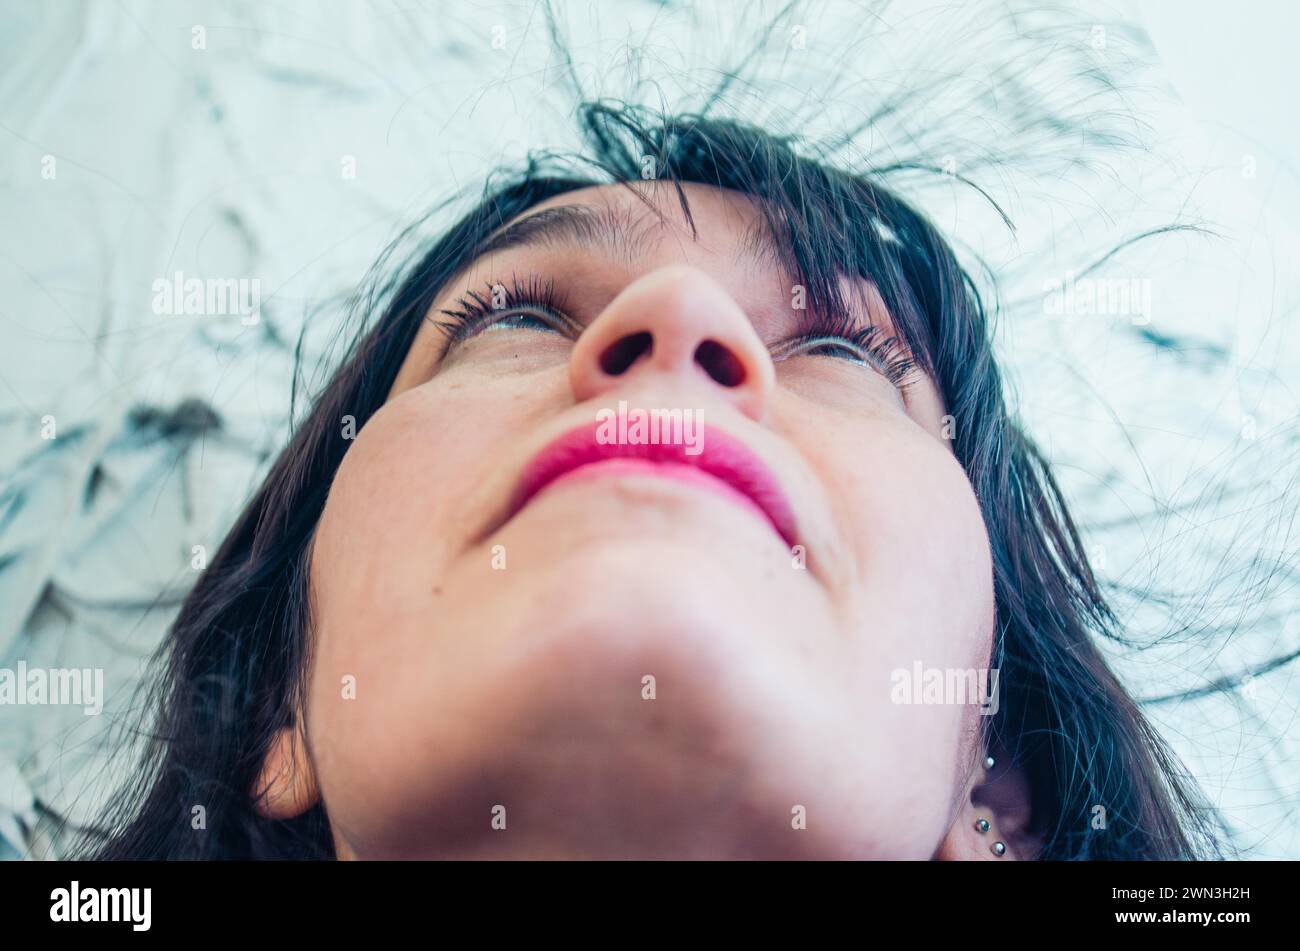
(286,787)
(1002,797)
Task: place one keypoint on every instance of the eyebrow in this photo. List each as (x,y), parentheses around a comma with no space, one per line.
(610,230)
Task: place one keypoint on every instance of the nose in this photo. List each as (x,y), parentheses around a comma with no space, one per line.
(680,323)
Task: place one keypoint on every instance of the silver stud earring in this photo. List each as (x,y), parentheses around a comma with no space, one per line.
(982,825)
(999,849)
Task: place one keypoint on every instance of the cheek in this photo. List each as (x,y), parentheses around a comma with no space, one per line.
(399,511)
(399,480)
(419,477)
(932,523)
(918,539)
(919,594)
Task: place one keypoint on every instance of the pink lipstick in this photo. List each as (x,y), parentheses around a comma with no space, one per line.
(720,463)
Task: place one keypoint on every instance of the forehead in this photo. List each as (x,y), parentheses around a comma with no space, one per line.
(644,224)
(651,212)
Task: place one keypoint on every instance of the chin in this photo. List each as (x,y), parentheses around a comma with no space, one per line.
(645,712)
(622,728)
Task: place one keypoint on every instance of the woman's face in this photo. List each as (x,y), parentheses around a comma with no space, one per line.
(532,648)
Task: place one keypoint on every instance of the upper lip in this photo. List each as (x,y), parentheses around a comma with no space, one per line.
(721,455)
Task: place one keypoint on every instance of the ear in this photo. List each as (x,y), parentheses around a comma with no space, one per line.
(286,786)
(1002,797)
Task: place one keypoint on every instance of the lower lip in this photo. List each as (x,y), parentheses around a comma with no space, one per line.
(673,471)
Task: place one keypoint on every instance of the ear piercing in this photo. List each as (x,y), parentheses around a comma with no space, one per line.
(982,825)
(997,848)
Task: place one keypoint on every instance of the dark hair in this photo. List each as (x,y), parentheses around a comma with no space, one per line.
(235,661)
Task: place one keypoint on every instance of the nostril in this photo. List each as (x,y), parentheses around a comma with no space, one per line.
(720,363)
(621,354)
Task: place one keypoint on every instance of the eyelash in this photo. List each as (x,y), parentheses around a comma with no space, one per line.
(477,311)
(886,354)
